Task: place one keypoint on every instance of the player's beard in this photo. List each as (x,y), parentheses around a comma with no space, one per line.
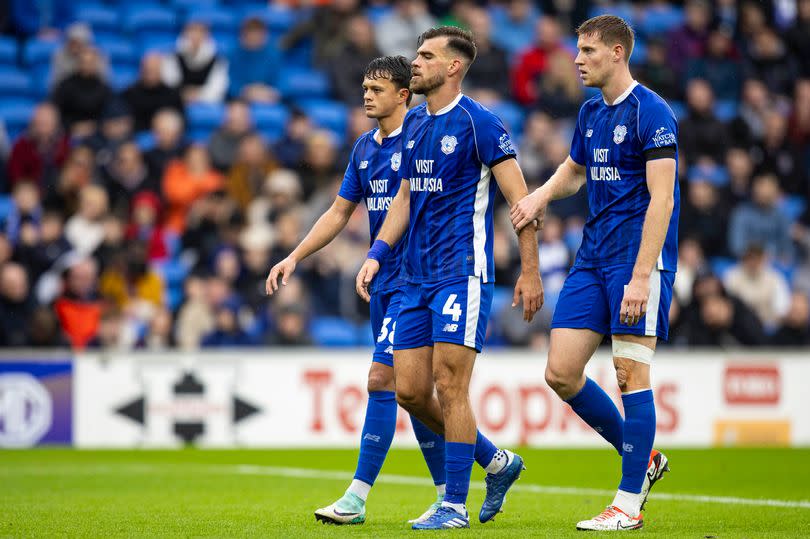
(425,86)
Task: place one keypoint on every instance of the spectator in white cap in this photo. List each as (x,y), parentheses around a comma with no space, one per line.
(65,60)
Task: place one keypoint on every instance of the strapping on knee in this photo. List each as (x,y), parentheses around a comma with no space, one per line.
(632,351)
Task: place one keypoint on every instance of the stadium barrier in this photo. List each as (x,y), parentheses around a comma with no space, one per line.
(316,398)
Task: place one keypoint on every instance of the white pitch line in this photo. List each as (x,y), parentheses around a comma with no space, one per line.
(308,473)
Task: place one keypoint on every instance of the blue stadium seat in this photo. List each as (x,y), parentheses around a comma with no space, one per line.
(186,6)
(38,51)
(205,114)
(511,114)
(145,140)
(660,19)
(139,19)
(333,331)
(278,18)
(119,51)
(639,51)
(217,19)
(122,76)
(8,50)
(6,205)
(793,206)
(101,18)
(376,13)
(726,109)
(163,42)
(40,79)
(173,272)
(269,117)
(720,265)
(16,116)
(625,11)
(300,55)
(226,42)
(15,82)
(299,83)
(331,115)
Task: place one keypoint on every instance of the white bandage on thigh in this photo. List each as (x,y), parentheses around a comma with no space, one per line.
(633,351)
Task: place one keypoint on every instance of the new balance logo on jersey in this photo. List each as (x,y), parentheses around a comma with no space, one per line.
(662,138)
(619,133)
(627,448)
(389,350)
(450,328)
(589,133)
(372,437)
(410,144)
(363,164)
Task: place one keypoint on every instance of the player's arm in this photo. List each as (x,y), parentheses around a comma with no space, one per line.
(392,230)
(565,182)
(529,285)
(325,229)
(661,185)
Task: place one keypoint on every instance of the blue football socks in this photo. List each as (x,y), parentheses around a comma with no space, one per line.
(596,408)
(639,435)
(378,432)
(432,446)
(460,459)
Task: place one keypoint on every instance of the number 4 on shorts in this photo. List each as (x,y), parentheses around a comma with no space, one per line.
(453,309)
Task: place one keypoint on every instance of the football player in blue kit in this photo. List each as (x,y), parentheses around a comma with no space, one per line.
(453,147)
(372,176)
(625,149)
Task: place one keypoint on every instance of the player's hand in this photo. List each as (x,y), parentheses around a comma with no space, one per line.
(530,286)
(634,302)
(283,269)
(530,208)
(364,277)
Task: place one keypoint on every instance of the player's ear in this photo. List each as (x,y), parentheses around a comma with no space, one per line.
(455,67)
(618,53)
(404,94)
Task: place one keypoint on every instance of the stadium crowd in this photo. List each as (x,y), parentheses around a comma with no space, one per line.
(158,159)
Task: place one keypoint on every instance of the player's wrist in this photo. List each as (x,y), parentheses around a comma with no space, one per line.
(379,251)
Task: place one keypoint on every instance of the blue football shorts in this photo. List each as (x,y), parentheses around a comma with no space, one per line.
(591,298)
(454,311)
(384,308)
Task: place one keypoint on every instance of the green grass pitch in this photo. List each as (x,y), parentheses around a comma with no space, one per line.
(239,493)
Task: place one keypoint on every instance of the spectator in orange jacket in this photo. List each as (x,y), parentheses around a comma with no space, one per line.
(79,308)
(185,182)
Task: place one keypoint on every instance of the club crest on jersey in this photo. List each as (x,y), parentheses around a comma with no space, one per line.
(362,165)
(505,144)
(396,160)
(619,133)
(449,143)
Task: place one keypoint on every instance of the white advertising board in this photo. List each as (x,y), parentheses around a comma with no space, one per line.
(280,398)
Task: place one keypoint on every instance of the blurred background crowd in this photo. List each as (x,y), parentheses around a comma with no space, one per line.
(158,157)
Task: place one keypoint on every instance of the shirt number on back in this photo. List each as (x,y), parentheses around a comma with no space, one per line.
(453,309)
(384,333)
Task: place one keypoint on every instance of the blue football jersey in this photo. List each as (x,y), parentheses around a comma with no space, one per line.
(373,176)
(610,141)
(447,159)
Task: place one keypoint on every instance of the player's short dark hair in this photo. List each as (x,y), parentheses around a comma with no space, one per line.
(397,69)
(610,29)
(459,40)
